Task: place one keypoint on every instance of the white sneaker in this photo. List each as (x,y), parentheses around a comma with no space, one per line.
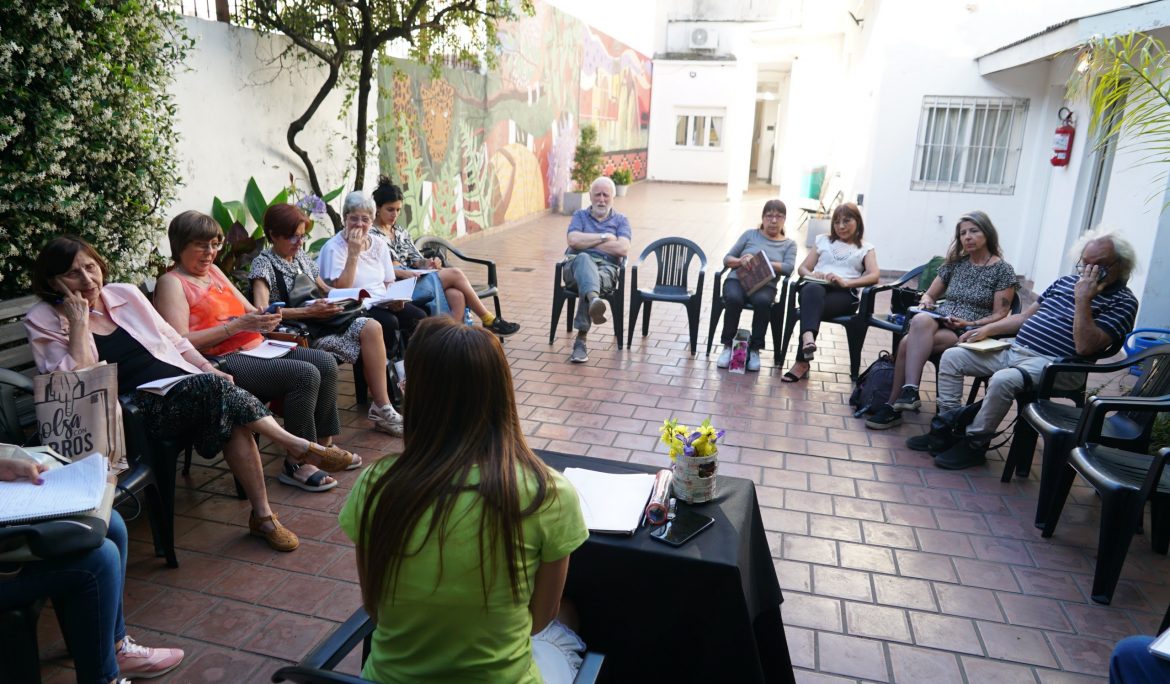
(386,419)
(724,358)
(753,362)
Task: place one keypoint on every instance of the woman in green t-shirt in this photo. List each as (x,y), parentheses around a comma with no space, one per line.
(473,531)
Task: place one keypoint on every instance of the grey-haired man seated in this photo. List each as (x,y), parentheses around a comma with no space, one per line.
(599,238)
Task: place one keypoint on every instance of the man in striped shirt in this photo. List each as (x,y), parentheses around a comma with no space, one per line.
(1076,318)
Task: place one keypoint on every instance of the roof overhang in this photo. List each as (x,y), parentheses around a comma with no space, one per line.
(1071,34)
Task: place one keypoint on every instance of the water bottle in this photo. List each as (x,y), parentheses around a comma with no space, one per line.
(467,319)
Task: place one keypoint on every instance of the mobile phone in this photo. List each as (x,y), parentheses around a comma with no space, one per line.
(273,306)
(686,524)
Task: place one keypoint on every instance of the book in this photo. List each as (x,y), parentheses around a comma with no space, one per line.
(401,290)
(162,385)
(988,345)
(756,273)
(1161,646)
(270,349)
(926,312)
(72,489)
(611,503)
(342,295)
(818,281)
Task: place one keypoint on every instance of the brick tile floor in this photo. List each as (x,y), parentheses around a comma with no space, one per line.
(893,571)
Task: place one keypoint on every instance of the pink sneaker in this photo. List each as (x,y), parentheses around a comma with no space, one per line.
(142,662)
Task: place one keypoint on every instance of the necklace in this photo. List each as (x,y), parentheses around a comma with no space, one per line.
(985,261)
(204,281)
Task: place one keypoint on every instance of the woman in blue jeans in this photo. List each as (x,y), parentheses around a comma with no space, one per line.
(87,596)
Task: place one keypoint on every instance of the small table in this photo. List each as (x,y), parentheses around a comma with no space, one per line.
(706,611)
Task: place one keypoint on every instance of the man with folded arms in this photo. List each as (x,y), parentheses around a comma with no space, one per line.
(599,238)
(1077,317)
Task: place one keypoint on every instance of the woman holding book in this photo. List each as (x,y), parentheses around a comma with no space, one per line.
(273,274)
(87,590)
(463,540)
(767,240)
(836,269)
(460,294)
(978,286)
(202,305)
(82,321)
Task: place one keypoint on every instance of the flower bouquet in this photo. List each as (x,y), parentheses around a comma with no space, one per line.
(694,455)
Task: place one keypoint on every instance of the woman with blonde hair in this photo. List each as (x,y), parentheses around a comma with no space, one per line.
(463,540)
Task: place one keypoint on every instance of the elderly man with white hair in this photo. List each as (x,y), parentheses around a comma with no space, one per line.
(599,238)
(1077,317)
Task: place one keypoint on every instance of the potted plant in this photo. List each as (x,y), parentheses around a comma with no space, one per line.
(586,167)
(621,180)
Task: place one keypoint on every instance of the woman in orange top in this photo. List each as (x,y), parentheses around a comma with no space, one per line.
(199,302)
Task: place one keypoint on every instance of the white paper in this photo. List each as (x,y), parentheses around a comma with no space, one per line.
(610,502)
(1161,646)
(926,312)
(401,290)
(162,385)
(341,294)
(270,349)
(68,490)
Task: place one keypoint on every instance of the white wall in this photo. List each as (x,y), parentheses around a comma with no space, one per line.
(233,110)
(711,87)
(915,51)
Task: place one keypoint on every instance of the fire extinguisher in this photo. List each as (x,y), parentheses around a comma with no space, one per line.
(1062,141)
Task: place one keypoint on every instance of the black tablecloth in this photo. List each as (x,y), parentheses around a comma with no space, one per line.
(706,611)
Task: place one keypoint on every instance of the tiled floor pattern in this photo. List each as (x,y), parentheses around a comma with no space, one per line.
(893,571)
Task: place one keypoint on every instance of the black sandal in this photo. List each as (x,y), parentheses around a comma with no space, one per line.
(312,484)
(793,377)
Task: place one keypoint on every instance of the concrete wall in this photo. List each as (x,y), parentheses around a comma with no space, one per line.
(710,91)
(234,104)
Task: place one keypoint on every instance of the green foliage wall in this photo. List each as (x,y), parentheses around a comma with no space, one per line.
(86,130)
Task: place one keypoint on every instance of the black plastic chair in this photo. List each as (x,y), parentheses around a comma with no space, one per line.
(1125,481)
(18,642)
(671,284)
(435,246)
(776,315)
(1058,422)
(317,667)
(567,295)
(857,324)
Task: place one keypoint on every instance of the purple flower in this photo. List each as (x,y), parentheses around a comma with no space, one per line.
(311,204)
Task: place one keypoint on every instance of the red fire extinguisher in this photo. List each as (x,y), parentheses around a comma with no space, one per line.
(1062,141)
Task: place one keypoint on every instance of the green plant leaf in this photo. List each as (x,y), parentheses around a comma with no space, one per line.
(281,198)
(317,245)
(254,200)
(221,215)
(236,209)
(333,194)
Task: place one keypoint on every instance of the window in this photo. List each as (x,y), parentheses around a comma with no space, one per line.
(699,129)
(969,144)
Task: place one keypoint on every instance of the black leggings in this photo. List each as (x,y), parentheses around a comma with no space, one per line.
(819,302)
(734,299)
(394,321)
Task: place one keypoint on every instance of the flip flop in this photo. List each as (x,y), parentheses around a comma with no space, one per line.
(312,484)
(793,377)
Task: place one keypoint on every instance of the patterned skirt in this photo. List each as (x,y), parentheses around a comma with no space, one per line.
(203,409)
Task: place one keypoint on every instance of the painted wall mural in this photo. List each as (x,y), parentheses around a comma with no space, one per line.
(473,151)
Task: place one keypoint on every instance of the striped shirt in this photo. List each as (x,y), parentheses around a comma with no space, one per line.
(1050,330)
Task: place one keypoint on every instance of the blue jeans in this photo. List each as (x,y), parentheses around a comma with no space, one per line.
(589,274)
(87,595)
(1132,663)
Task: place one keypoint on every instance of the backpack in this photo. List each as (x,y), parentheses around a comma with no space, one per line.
(873,386)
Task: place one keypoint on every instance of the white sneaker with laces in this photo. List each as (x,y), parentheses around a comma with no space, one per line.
(753,362)
(724,359)
(136,660)
(386,419)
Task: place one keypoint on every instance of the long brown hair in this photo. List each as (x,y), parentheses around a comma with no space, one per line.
(848,210)
(983,222)
(460,411)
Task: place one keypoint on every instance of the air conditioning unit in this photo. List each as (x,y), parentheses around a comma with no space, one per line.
(703,39)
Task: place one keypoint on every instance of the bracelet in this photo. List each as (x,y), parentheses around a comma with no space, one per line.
(226,332)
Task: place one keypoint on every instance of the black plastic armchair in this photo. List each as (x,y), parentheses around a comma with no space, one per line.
(435,246)
(857,324)
(671,284)
(1057,422)
(776,315)
(317,667)
(567,295)
(1125,480)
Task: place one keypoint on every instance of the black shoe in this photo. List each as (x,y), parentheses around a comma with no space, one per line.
(968,453)
(934,442)
(503,328)
(884,418)
(908,400)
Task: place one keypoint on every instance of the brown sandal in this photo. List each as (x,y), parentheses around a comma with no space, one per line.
(280,539)
(333,459)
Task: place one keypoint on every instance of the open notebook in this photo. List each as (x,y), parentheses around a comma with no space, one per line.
(611,503)
(69,490)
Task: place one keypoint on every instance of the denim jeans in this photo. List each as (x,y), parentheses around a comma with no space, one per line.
(87,595)
(1132,662)
(588,273)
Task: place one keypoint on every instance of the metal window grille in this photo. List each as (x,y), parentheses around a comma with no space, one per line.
(969,144)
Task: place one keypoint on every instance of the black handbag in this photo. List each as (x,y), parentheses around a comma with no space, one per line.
(303,289)
(51,539)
